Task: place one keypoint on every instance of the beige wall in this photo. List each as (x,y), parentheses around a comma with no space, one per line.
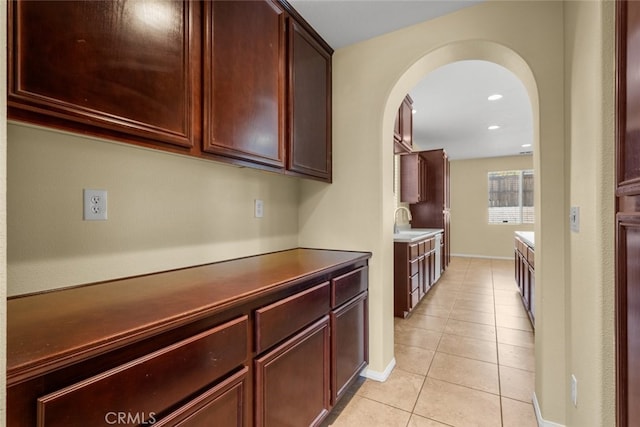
(589,58)
(369,81)
(165,211)
(471,234)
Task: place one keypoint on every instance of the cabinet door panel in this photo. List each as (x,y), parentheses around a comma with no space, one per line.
(126,66)
(292,381)
(310,105)
(223,405)
(349,343)
(244,81)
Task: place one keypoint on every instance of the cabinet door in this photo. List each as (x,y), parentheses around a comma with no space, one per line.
(349,344)
(309,145)
(244,81)
(397,134)
(293,380)
(406,122)
(128,69)
(223,405)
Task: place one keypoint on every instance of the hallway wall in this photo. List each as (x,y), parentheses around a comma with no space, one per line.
(471,234)
(589,73)
(356,211)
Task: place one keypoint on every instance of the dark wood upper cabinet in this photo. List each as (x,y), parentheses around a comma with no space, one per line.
(403,129)
(413,178)
(309,145)
(244,81)
(125,68)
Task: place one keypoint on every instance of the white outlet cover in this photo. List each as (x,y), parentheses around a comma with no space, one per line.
(94,205)
(259,208)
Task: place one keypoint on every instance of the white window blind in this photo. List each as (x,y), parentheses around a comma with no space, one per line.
(511,197)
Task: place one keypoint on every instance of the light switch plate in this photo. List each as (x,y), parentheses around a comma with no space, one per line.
(574,219)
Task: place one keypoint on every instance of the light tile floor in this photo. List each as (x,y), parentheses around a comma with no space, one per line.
(464,358)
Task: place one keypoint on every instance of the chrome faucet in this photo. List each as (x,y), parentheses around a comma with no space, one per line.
(395,213)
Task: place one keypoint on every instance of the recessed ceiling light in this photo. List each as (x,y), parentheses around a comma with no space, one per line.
(494,97)
(493,127)
(526,145)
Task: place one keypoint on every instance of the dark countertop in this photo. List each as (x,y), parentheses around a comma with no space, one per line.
(57,328)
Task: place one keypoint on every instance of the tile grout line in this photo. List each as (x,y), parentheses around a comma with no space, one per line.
(495,318)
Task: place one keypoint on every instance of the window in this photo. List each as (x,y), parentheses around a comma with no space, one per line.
(511,197)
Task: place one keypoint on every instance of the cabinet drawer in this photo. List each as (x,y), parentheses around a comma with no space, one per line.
(281,319)
(414,267)
(151,384)
(530,257)
(413,251)
(422,248)
(224,405)
(347,286)
(415,282)
(415,298)
(431,244)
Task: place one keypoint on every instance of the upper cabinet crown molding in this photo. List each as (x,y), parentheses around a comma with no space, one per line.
(228,81)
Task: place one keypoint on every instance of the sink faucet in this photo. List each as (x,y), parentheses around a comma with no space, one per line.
(395,213)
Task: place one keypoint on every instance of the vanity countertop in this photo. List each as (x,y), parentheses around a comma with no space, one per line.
(414,234)
(527,236)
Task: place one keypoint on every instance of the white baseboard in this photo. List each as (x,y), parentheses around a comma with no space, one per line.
(377,375)
(480,256)
(541,421)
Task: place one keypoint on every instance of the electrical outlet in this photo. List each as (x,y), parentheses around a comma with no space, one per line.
(95,205)
(574,390)
(259,208)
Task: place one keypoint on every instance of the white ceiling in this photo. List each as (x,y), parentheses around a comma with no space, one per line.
(451,102)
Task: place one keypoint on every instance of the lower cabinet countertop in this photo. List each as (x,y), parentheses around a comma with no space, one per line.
(414,234)
(57,328)
(527,236)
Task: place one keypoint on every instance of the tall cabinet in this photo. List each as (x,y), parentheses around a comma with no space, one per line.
(433,212)
(628,215)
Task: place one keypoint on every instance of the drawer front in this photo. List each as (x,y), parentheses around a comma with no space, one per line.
(413,251)
(530,257)
(415,282)
(414,267)
(281,319)
(347,286)
(415,298)
(223,405)
(151,384)
(422,248)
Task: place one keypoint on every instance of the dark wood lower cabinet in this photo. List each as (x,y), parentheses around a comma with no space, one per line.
(185,348)
(524,265)
(292,380)
(414,273)
(223,405)
(349,344)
